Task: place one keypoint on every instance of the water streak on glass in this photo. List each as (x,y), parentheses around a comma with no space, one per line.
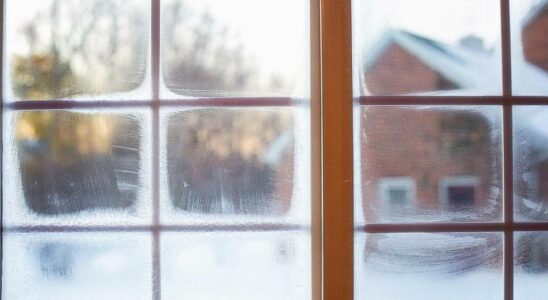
(429,164)
(235,266)
(529,29)
(76,167)
(531,163)
(231,162)
(531,265)
(58,49)
(426,47)
(213,48)
(427,266)
(84,266)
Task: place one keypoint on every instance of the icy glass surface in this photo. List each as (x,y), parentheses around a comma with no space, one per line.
(427,47)
(218,48)
(70,49)
(76,167)
(236,266)
(428,164)
(232,163)
(531,265)
(531,163)
(428,266)
(68,266)
(529,29)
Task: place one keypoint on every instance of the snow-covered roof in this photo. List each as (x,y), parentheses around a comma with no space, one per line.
(535,11)
(472,70)
(463,66)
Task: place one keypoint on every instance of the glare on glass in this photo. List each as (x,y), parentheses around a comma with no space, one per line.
(69,49)
(426,47)
(428,164)
(429,266)
(235,266)
(75,167)
(84,266)
(529,29)
(531,163)
(531,265)
(230,162)
(217,48)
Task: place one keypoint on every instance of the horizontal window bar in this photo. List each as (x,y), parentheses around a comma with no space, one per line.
(450,100)
(454,227)
(156,228)
(199,102)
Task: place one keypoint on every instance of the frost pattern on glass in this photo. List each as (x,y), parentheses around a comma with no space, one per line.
(529,29)
(225,161)
(531,163)
(57,49)
(429,164)
(531,265)
(399,51)
(67,266)
(215,48)
(236,266)
(429,266)
(77,166)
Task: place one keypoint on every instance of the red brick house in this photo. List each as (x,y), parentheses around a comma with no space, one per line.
(402,62)
(534,36)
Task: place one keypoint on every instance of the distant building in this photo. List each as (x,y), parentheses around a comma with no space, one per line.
(534,36)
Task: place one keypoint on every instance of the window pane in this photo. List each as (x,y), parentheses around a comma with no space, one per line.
(67,167)
(531,162)
(531,265)
(236,266)
(529,47)
(213,48)
(428,164)
(59,49)
(424,266)
(224,163)
(426,47)
(69,266)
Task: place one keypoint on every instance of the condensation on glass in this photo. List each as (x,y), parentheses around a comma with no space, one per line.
(529,29)
(217,48)
(86,266)
(235,266)
(426,47)
(530,265)
(531,163)
(428,164)
(429,266)
(234,164)
(76,167)
(69,49)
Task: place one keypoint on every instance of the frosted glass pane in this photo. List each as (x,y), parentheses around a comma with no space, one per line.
(227,162)
(236,266)
(529,29)
(531,163)
(426,47)
(66,167)
(57,49)
(428,266)
(213,48)
(68,266)
(531,265)
(428,164)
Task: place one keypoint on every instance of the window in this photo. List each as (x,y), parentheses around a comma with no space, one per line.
(397,192)
(156,149)
(458,192)
(182,149)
